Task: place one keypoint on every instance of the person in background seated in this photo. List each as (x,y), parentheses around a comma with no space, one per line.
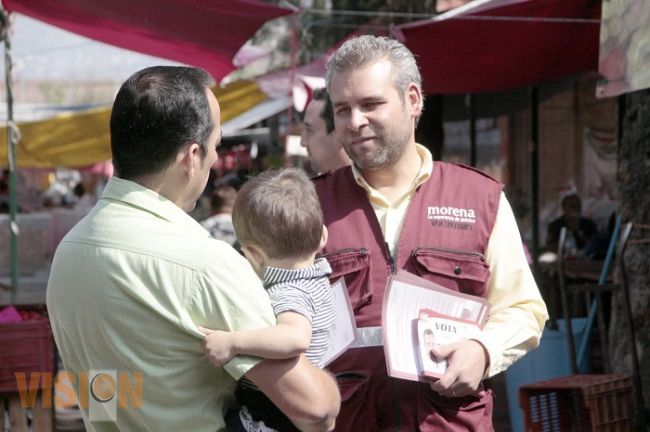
(580,229)
(325,152)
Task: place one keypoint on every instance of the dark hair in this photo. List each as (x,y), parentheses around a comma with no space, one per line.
(327,113)
(157,111)
(79,190)
(572,197)
(279,212)
(223,198)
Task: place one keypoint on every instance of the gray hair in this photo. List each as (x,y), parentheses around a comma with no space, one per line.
(364,50)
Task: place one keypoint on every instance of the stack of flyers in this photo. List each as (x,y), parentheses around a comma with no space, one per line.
(411,305)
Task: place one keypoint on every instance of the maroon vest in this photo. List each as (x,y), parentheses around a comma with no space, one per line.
(443,238)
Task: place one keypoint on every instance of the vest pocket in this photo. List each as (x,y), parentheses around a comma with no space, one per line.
(462,271)
(357,412)
(437,412)
(352,264)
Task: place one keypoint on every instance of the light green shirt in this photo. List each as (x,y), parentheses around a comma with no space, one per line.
(128,287)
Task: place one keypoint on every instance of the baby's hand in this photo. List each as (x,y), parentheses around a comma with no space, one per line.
(218,346)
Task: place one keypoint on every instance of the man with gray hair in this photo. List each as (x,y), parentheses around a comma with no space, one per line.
(325,152)
(381,215)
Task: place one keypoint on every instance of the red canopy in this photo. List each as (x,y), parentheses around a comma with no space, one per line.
(494,45)
(204,33)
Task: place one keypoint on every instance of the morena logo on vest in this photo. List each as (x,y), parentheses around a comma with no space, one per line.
(451,214)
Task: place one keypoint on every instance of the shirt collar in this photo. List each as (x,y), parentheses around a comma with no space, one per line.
(136,195)
(274,275)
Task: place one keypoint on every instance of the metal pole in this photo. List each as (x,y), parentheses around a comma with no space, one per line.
(534,173)
(11,156)
(472,130)
(293,40)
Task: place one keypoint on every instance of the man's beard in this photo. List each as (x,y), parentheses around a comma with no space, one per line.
(388,148)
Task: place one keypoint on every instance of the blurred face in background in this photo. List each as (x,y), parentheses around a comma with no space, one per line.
(325,153)
(571,209)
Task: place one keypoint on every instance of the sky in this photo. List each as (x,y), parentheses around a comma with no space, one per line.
(44,52)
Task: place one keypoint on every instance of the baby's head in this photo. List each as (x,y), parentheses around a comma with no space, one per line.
(277,216)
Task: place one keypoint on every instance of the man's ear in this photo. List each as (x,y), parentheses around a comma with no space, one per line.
(189,157)
(414,99)
(323,238)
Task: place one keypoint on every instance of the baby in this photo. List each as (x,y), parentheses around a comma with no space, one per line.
(279,225)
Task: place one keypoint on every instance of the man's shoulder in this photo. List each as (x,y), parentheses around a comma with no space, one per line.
(465,170)
(158,240)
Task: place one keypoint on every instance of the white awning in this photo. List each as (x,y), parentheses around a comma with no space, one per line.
(254,115)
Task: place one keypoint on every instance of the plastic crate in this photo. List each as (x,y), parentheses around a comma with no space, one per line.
(25,346)
(579,403)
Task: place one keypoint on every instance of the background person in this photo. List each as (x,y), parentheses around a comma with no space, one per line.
(381,218)
(297,284)
(325,152)
(580,230)
(219,224)
(132,280)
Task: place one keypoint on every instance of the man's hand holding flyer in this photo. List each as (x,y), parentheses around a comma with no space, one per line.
(438,329)
(411,306)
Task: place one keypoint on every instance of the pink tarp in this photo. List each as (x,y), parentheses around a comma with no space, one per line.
(204,33)
(494,45)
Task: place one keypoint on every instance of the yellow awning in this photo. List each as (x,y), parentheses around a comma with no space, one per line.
(82,139)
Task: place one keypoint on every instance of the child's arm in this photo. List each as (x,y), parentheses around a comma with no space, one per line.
(288,338)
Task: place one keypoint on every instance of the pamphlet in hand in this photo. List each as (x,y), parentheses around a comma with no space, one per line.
(344,329)
(438,329)
(406,296)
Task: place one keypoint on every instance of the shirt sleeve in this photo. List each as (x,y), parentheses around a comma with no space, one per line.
(230,297)
(291,297)
(518,312)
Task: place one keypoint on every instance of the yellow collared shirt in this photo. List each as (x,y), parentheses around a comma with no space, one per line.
(391,214)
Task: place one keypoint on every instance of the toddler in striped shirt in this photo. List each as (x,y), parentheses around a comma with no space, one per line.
(279,225)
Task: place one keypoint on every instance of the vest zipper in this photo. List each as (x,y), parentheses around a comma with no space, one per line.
(391,260)
(456,251)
